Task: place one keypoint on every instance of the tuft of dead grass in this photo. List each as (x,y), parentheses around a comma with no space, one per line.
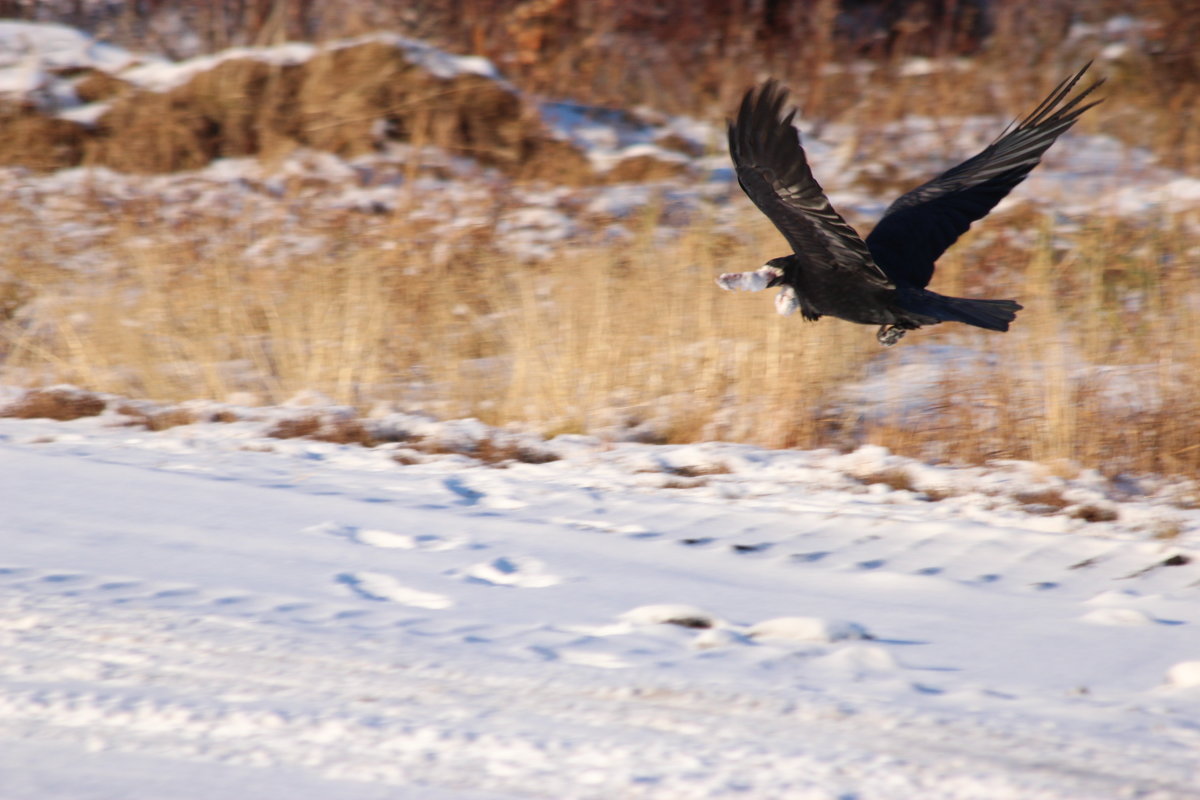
(154,418)
(62,403)
(1093,513)
(701,470)
(324,428)
(1050,501)
(897,478)
(492,452)
(32,139)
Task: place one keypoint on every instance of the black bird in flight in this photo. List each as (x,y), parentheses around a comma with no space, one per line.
(880,280)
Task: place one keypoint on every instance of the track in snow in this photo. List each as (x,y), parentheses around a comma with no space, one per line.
(239,695)
(318,621)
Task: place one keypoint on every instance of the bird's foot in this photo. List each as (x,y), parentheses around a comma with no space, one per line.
(888,335)
(754,281)
(786,302)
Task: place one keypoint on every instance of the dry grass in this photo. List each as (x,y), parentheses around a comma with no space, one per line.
(60,403)
(636,334)
(1101,370)
(325,429)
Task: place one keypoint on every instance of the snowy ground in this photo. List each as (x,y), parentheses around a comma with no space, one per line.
(208,612)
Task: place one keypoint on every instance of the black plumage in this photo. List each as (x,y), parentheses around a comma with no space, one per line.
(880,280)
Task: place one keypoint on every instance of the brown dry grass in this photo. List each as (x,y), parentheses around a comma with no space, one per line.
(620,336)
(29,138)
(1101,370)
(59,403)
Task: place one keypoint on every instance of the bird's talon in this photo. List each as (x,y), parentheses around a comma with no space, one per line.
(888,335)
(786,302)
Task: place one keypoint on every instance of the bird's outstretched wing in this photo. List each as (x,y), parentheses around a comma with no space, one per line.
(920,225)
(774,173)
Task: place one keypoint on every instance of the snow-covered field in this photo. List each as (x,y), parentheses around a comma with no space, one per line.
(209,612)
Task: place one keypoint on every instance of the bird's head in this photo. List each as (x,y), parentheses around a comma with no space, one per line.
(778,267)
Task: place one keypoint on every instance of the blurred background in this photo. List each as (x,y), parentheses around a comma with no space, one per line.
(696,57)
(515,210)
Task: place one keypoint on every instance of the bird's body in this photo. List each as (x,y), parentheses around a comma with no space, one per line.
(879,280)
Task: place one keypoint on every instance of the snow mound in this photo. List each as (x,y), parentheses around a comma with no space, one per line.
(860,661)
(806,629)
(525,573)
(163,76)
(387,539)
(1184,675)
(682,614)
(1118,616)
(51,48)
(378,586)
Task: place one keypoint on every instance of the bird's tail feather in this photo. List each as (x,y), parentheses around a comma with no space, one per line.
(993,315)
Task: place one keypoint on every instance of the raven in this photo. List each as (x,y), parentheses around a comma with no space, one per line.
(880,280)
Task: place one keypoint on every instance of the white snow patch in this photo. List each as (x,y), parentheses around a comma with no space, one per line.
(164,76)
(717,637)
(57,46)
(387,539)
(1184,675)
(806,629)
(861,660)
(378,586)
(1118,616)
(525,573)
(682,614)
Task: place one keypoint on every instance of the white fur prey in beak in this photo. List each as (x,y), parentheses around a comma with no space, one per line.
(786,301)
(754,281)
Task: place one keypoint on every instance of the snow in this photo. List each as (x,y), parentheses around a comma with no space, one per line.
(163,76)
(56,47)
(806,629)
(1184,675)
(206,611)
(609,135)
(37,62)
